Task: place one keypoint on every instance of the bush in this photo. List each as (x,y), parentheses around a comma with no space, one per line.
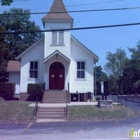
(97,98)
(1,99)
(7,91)
(34,91)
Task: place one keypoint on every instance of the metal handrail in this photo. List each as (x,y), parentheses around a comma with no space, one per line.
(67,99)
(36,107)
(43,92)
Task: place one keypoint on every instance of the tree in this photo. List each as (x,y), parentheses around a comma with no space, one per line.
(114,68)
(6,2)
(4,53)
(11,45)
(99,76)
(131,73)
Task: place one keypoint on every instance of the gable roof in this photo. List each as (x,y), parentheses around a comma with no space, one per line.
(57,6)
(81,45)
(96,58)
(54,53)
(13,66)
(19,56)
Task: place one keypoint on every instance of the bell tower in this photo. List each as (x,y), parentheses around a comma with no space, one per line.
(56,19)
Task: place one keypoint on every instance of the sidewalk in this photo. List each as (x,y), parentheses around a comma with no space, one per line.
(63,104)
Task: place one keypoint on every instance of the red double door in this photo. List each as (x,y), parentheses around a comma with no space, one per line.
(56,76)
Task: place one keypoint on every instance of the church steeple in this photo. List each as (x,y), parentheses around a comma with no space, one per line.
(58,6)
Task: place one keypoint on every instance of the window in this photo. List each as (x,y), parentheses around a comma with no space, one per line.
(54,38)
(57,38)
(80,69)
(61,38)
(33,69)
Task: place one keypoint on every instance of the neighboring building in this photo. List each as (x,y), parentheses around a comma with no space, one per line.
(56,59)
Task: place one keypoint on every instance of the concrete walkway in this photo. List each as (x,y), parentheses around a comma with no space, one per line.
(60,105)
(63,104)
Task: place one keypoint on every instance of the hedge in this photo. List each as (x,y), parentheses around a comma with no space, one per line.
(34,91)
(7,91)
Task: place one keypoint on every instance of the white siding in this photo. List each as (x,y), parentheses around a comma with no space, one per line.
(14,77)
(36,53)
(84,85)
(49,49)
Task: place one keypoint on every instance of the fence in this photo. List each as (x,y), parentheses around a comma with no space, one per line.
(123,99)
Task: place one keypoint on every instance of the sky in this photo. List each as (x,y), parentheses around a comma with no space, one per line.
(99,41)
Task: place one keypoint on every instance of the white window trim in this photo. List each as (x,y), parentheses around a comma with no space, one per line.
(32,79)
(58,39)
(81,79)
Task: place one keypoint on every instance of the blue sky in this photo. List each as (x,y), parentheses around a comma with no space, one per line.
(100,41)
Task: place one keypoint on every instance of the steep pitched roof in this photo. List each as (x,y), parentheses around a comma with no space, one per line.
(96,58)
(54,53)
(58,6)
(72,37)
(24,52)
(13,66)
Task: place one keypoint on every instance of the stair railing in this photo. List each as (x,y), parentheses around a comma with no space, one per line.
(36,107)
(43,91)
(67,99)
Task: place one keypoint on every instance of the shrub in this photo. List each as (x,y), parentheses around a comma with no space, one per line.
(97,98)
(1,99)
(34,91)
(7,90)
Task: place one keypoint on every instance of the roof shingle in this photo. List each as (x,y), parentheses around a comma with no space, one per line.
(13,66)
(58,6)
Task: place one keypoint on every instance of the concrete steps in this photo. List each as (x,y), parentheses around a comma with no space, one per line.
(53,97)
(51,113)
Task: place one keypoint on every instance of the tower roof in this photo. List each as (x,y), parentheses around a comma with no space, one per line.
(57,6)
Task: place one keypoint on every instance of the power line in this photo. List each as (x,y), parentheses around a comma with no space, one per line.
(110,1)
(97,10)
(19,0)
(80,28)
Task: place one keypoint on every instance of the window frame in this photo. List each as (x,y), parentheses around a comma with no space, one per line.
(57,42)
(81,70)
(33,70)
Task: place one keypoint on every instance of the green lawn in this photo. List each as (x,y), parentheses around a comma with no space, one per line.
(96,113)
(16,111)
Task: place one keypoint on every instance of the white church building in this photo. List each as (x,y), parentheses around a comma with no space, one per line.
(56,59)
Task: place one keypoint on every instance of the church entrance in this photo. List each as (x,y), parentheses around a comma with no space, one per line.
(56,76)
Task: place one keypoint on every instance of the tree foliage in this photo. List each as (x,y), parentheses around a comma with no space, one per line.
(99,76)
(114,68)
(11,45)
(6,2)
(131,73)
(3,56)
(124,73)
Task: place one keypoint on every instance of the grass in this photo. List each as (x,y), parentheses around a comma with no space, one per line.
(18,111)
(96,113)
(15,111)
